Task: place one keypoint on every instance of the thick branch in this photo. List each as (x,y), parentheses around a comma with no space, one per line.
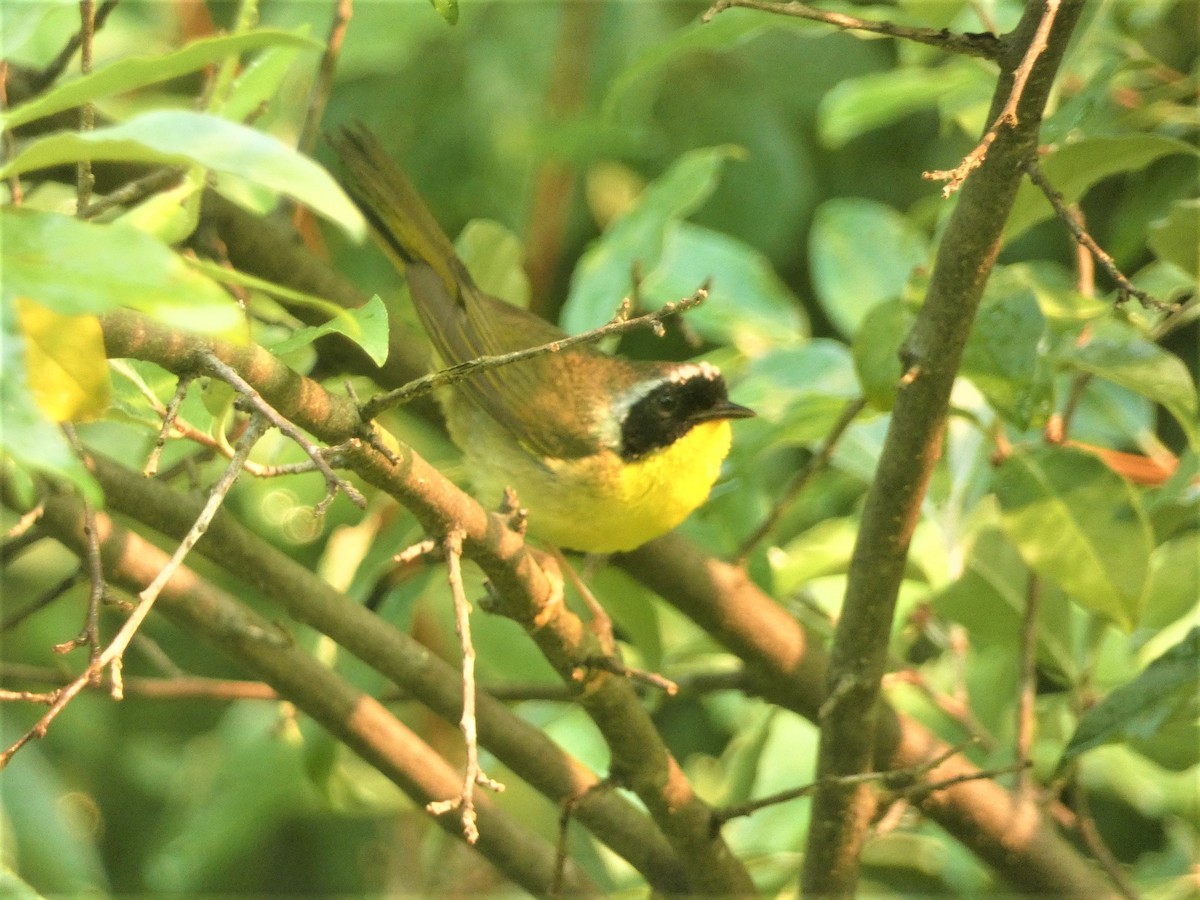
(526,593)
(353,717)
(785,666)
(437,684)
(934,350)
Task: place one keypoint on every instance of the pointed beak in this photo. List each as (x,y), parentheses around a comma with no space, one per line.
(726,409)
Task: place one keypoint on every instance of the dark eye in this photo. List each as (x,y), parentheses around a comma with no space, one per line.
(667,401)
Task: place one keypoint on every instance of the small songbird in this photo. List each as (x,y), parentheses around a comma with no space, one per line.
(604,453)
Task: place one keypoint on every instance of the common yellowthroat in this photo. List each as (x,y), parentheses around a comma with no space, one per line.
(604,453)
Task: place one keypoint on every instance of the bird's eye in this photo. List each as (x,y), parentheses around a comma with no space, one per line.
(667,401)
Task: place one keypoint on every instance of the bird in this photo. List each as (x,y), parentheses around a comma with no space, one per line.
(603,453)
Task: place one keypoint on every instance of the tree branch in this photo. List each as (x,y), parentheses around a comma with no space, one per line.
(353,717)
(933,353)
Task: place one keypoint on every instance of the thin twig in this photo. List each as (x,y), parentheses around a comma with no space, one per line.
(23,524)
(897,780)
(1125,288)
(1027,689)
(565,814)
(1085,822)
(6,138)
(986,46)
(318,98)
(815,464)
(473,774)
(114,652)
(333,481)
(616,667)
(59,64)
(169,415)
(619,325)
(90,635)
(134,191)
(84,179)
(954,178)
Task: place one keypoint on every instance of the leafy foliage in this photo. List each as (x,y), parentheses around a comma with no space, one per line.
(782,160)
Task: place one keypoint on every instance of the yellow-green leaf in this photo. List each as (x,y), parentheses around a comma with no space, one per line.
(65,362)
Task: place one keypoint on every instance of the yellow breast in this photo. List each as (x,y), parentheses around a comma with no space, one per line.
(598,504)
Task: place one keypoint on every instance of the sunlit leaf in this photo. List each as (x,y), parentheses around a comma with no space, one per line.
(604,273)
(862,253)
(1176,239)
(494,256)
(80,268)
(1078,524)
(1131,361)
(367,326)
(138,71)
(179,137)
(990,599)
(855,106)
(28,437)
(65,362)
(1166,690)
(748,305)
(1073,169)
(876,350)
(1004,356)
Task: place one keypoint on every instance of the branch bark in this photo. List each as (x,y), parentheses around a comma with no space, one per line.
(933,351)
(787,667)
(355,718)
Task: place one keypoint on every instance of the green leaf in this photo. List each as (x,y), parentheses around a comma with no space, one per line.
(989,599)
(876,350)
(747,305)
(65,362)
(367,326)
(603,276)
(494,256)
(80,268)
(855,106)
(1165,691)
(133,72)
(1074,168)
(862,253)
(447,9)
(28,437)
(1176,239)
(724,33)
(1124,357)
(259,82)
(178,137)
(1079,525)
(1174,582)
(1004,357)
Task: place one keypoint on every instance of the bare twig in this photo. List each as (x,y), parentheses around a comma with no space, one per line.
(616,667)
(986,46)
(1008,115)
(564,825)
(169,414)
(319,96)
(59,64)
(23,524)
(1085,822)
(1027,688)
(333,481)
(114,652)
(134,191)
(904,782)
(473,774)
(815,464)
(84,179)
(619,325)
(1125,288)
(6,138)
